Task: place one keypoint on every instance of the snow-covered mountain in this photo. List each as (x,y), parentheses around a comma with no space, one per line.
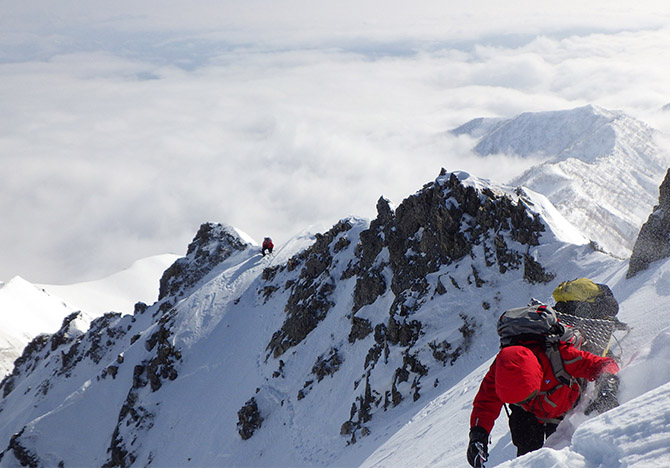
(361,345)
(118,292)
(26,310)
(602,169)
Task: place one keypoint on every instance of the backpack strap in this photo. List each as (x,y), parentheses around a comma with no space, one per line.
(556,361)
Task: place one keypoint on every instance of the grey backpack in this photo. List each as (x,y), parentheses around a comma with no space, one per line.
(538,325)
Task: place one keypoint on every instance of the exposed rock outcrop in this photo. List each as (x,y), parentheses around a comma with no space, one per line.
(310,298)
(249,419)
(212,244)
(653,242)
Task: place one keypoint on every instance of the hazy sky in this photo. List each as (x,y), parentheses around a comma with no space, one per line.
(125,125)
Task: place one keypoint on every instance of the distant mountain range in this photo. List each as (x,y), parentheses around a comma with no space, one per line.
(602,168)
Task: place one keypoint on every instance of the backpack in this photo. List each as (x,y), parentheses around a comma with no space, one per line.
(581,289)
(584,298)
(539,325)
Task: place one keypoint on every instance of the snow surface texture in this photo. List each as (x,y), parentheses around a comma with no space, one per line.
(602,168)
(221,328)
(26,310)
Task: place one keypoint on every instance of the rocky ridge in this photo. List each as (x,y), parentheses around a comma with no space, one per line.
(404,260)
(70,357)
(414,288)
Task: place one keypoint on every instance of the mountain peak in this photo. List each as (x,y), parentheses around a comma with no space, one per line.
(601,171)
(212,244)
(586,132)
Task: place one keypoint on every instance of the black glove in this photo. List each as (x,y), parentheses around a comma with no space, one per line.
(607,390)
(478,448)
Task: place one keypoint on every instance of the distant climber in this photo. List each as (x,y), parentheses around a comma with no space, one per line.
(267,245)
(523,376)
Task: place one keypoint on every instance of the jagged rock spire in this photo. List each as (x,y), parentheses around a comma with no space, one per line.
(653,242)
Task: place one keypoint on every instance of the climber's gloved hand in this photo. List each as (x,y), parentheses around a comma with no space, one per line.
(478,448)
(606,398)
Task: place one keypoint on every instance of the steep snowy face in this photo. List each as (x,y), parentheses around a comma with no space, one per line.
(653,243)
(585,133)
(25,312)
(101,378)
(26,309)
(118,292)
(601,172)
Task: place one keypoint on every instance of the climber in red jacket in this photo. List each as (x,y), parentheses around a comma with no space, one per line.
(522,376)
(267,245)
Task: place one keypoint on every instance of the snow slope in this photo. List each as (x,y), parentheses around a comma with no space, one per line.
(118,292)
(602,171)
(167,385)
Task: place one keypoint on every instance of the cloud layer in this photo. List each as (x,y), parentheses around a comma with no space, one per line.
(123,128)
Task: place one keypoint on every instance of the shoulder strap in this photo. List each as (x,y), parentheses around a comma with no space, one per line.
(556,361)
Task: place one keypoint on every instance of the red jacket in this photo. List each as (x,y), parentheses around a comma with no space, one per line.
(267,243)
(554,399)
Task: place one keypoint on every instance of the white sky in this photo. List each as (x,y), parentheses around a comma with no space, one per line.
(125,125)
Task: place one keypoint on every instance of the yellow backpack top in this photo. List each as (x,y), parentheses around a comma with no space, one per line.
(581,289)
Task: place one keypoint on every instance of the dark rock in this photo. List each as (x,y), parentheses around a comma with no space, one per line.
(327,364)
(309,301)
(534,272)
(140,308)
(369,286)
(24,456)
(249,419)
(212,244)
(360,328)
(653,242)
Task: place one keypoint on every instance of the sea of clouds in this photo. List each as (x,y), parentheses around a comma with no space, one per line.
(126,125)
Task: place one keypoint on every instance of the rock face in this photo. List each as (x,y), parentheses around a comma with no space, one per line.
(397,262)
(211,245)
(653,242)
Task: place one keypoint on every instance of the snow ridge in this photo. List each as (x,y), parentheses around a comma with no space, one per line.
(602,167)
